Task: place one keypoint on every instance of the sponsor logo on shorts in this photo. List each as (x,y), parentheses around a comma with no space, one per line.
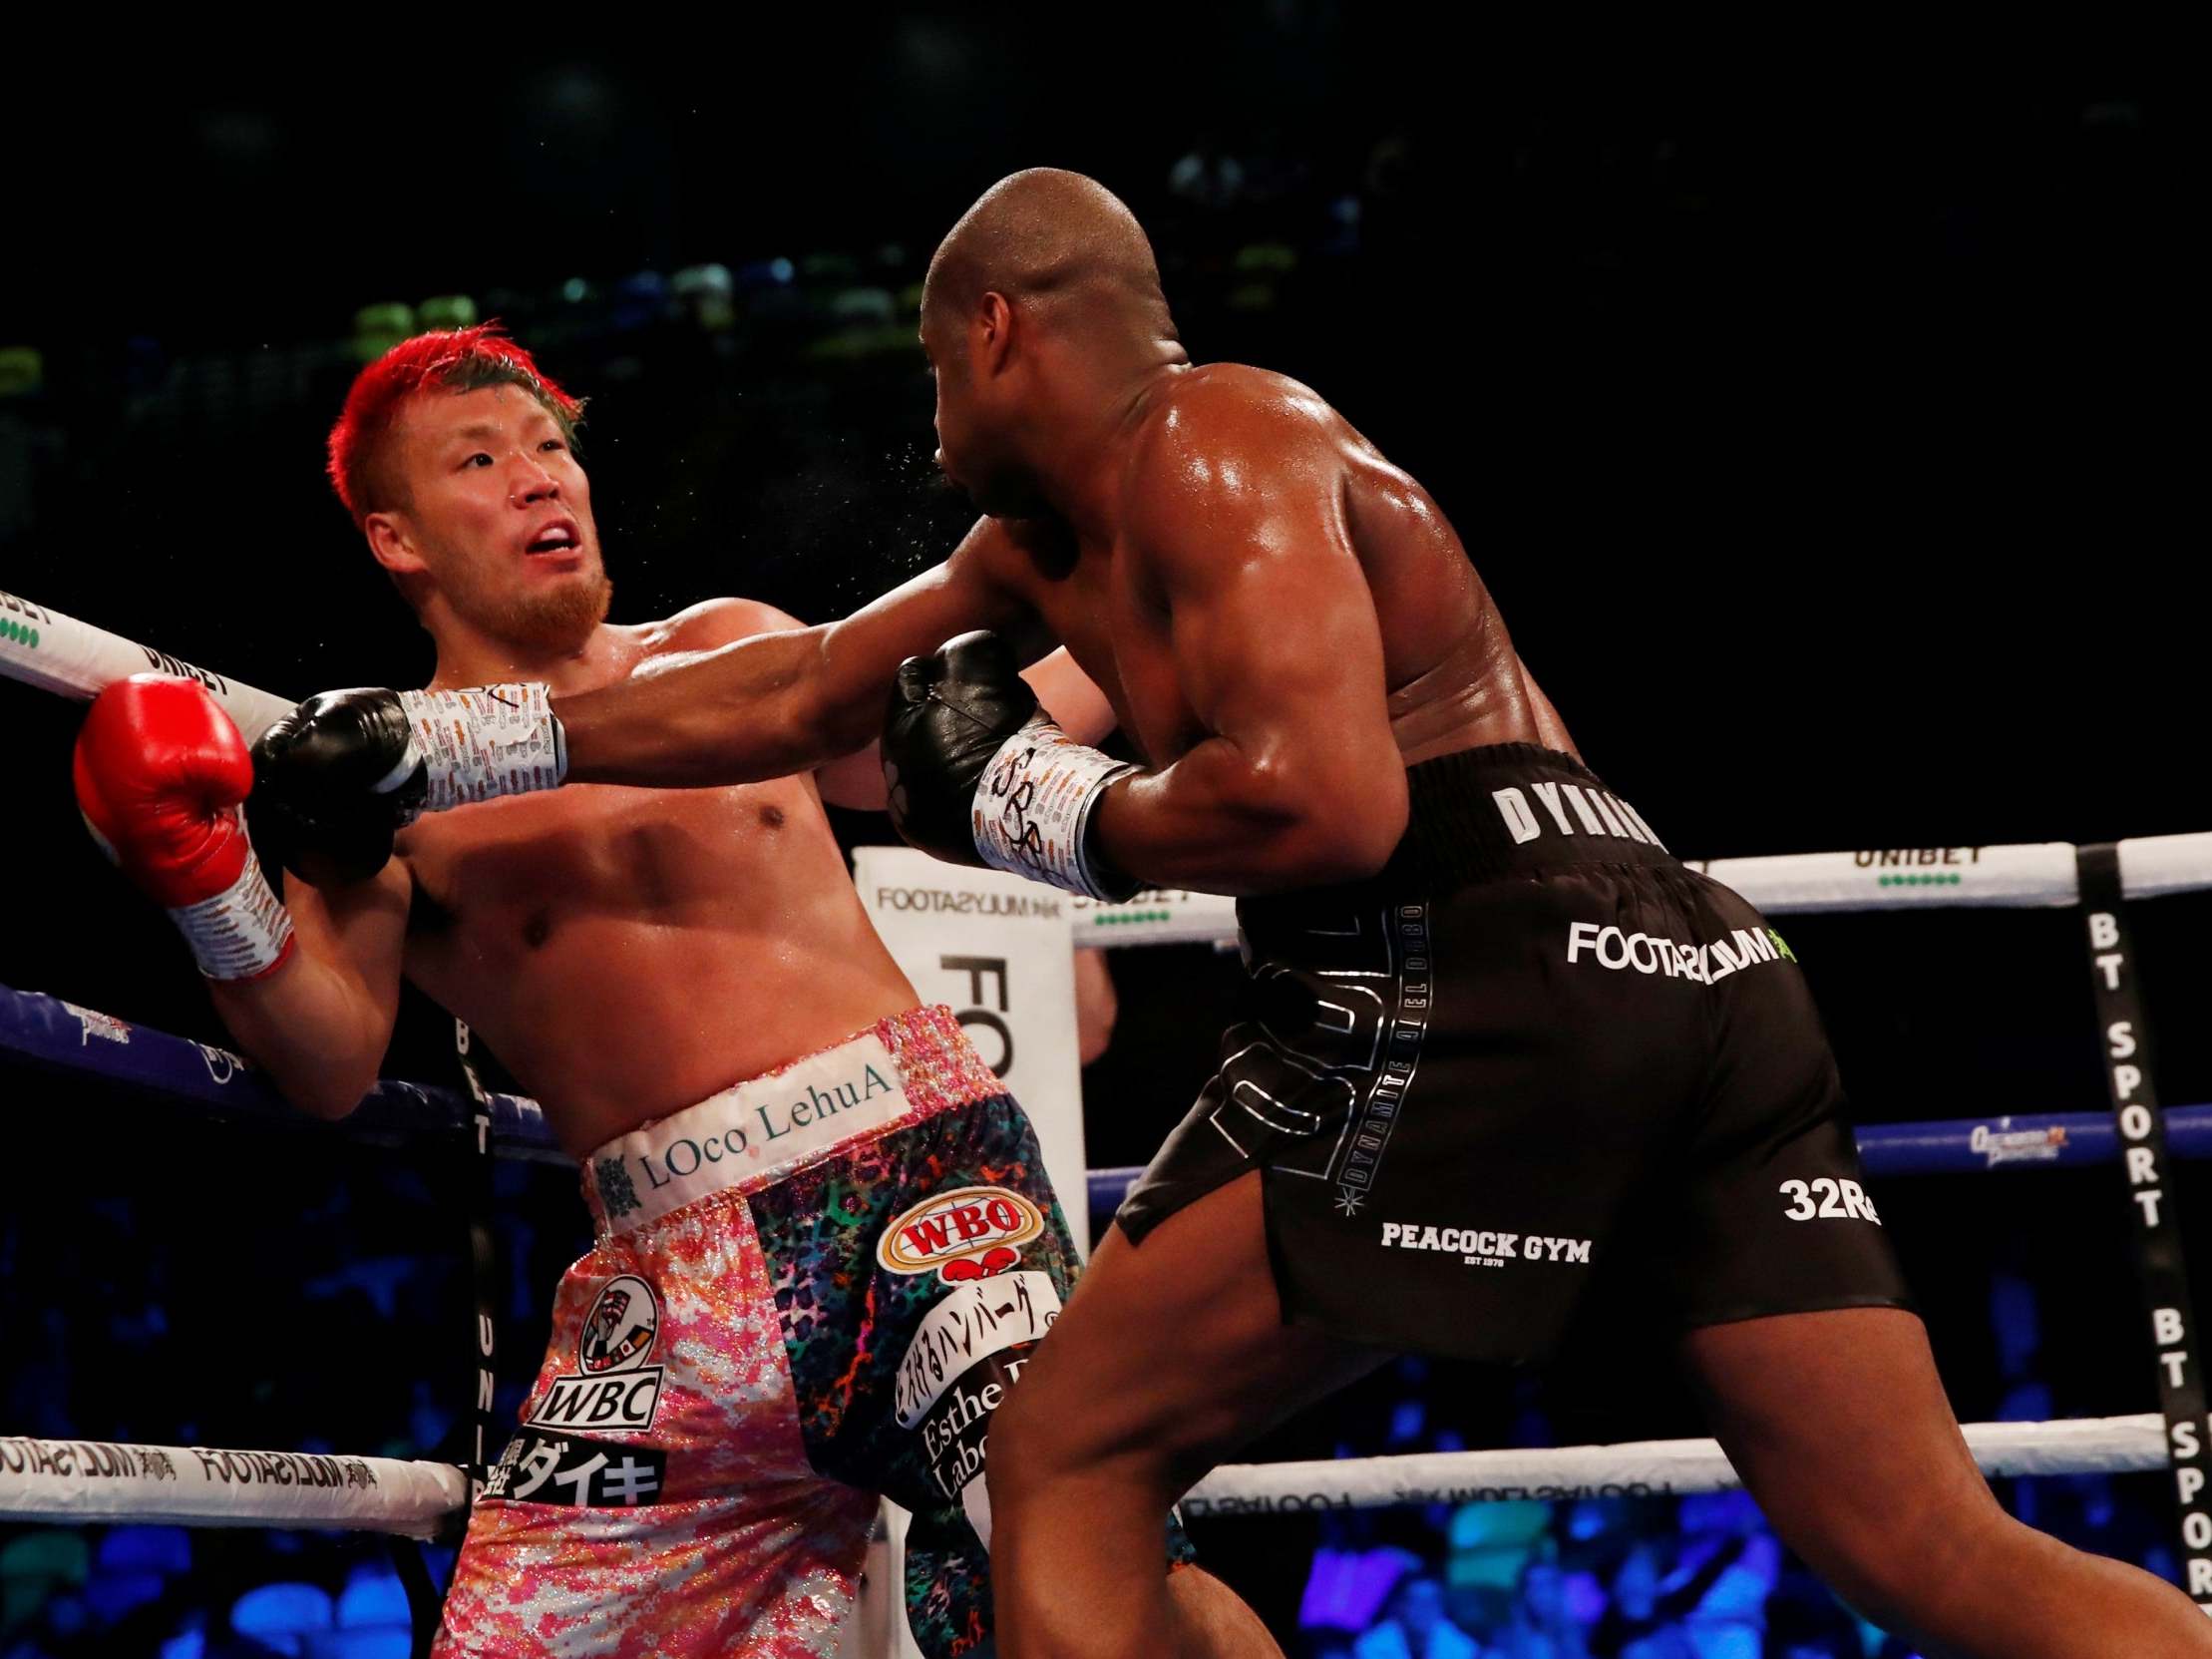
(967,1351)
(1707,963)
(567,1469)
(684,1155)
(2002,1145)
(964,1233)
(613,1387)
(1828,1199)
(976,1321)
(1570,809)
(1483,1247)
(750,1134)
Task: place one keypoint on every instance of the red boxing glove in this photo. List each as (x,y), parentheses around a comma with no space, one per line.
(161,777)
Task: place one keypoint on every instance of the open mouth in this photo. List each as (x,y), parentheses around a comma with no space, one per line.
(559,537)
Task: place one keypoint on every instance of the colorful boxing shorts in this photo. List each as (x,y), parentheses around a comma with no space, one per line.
(808,1290)
(1535,1049)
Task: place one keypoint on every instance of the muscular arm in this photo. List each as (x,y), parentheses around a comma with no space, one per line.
(1297,780)
(777,703)
(320,1023)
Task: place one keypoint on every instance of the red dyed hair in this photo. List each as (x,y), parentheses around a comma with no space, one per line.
(449,360)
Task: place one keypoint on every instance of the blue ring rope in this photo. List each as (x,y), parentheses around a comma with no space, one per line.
(41,1032)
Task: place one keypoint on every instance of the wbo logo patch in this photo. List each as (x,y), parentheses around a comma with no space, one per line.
(963,1234)
(611,1387)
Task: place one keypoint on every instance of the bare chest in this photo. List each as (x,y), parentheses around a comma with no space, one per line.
(508,877)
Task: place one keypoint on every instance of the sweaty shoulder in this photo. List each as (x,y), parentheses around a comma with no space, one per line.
(712,623)
(1229,434)
(1237,458)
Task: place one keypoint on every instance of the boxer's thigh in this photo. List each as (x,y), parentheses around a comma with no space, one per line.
(660,1445)
(685,1580)
(1171,1354)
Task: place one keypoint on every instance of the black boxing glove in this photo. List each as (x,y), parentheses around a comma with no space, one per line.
(978,774)
(336,780)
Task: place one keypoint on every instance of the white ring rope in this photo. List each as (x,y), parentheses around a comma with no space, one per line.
(2087,1446)
(45,648)
(87,1481)
(54,652)
(2033,876)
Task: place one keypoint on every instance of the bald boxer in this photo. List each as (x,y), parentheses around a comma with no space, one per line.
(1498,1040)
(826,1241)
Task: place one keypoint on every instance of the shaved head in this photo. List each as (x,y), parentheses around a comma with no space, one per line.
(1055,243)
(1043,322)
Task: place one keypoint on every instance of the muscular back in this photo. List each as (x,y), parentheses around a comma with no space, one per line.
(1453,677)
(1230,463)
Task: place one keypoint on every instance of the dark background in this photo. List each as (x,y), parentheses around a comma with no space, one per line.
(1814,419)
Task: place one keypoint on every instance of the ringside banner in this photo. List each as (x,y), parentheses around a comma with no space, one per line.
(994,948)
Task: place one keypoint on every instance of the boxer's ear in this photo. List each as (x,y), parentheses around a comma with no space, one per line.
(994,332)
(391,543)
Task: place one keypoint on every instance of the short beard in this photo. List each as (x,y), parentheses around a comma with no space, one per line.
(554,621)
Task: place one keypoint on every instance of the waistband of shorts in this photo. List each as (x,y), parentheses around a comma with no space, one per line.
(1510,809)
(766,1129)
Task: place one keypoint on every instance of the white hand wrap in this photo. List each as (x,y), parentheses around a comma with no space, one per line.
(1034,805)
(485,742)
(243,932)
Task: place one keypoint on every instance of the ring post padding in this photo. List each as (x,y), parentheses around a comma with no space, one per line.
(2161,1270)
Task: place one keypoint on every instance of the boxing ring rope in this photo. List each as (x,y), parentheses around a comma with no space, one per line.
(94,1481)
(2031,876)
(59,653)
(86,1483)
(59,1036)
(90,1482)
(2037,875)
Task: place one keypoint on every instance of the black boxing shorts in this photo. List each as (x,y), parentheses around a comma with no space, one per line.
(1534,1050)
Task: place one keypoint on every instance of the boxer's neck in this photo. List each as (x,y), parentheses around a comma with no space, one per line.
(470,656)
(1081,450)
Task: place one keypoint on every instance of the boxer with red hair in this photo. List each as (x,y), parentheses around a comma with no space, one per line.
(825,1244)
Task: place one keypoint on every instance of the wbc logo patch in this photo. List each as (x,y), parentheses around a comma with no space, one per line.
(965,1233)
(613,1387)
